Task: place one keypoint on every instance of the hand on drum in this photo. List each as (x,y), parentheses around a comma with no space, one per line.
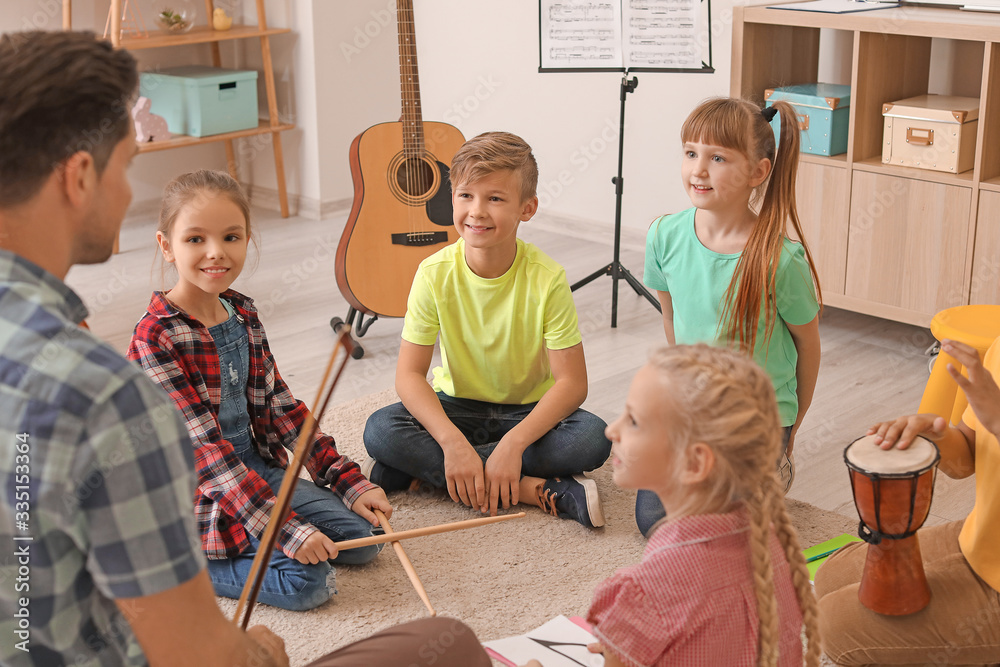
(901,431)
(980,388)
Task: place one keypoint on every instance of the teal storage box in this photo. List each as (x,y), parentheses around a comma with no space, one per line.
(823,109)
(201,101)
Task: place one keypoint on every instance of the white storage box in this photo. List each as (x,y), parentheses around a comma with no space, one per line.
(931,132)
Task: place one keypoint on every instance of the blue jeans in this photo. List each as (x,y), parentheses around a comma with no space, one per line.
(649,510)
(289,584)
(394,438)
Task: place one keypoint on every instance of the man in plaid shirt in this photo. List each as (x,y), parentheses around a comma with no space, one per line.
(100,560)
(100,550)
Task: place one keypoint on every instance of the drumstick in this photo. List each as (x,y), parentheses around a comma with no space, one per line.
(404,560)
(421,532)
(283,500)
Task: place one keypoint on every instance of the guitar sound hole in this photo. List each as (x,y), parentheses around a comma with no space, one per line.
(414,177)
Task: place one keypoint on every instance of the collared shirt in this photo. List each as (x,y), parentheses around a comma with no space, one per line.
(95,482)
(178,352)
(691,601)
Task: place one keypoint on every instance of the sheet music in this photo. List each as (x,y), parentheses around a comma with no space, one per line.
(581,33)
(620,34)
(662,33)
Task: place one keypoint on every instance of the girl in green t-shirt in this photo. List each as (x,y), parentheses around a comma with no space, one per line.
(725,271)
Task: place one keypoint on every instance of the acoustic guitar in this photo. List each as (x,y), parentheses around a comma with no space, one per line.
(402,209)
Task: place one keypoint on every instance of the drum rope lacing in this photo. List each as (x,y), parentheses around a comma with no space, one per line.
(876,536)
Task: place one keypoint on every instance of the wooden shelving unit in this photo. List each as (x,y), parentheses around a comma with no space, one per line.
(206,35)
(890,241)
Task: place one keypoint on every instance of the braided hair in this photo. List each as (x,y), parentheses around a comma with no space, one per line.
(724,400)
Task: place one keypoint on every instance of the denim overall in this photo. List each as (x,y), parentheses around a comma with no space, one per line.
(287,583)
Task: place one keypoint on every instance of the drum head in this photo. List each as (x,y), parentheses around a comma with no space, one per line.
(864,455)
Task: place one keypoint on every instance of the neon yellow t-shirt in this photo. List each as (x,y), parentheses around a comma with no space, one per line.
(980,536)
(494,331)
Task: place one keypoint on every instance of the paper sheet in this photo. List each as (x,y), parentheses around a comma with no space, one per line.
(620,34)
(558,643)
(836,6)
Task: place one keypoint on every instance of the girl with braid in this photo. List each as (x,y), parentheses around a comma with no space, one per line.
(722,580)
(726,271)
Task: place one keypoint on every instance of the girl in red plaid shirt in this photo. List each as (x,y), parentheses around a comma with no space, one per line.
(722,580)
(204,344)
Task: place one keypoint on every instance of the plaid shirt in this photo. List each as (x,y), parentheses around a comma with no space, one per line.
(178,352)
(96,477)
(690,601)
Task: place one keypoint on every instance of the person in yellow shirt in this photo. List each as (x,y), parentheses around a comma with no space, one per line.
(961,625)
(502,422)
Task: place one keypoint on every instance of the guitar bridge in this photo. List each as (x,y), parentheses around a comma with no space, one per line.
(420,238)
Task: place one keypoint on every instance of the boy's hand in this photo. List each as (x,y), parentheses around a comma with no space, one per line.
(316,549)
(503,477)
(463,469)
(980,388)
(901,431)
(372,499)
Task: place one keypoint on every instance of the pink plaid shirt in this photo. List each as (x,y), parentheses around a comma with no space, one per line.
(690,601)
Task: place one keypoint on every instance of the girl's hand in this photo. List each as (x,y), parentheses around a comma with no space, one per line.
(369,500)
(901,431)
(532,663)
(316,549)
(980,388)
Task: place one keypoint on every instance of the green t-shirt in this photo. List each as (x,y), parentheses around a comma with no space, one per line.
(495,332)
(697,279)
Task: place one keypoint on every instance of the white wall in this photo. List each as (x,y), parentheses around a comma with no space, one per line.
(337,74)
(479,71)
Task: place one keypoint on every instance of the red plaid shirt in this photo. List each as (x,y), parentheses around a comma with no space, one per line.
(690,601)
(178,353)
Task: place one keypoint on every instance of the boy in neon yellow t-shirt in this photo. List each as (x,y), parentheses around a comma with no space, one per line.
(502,423)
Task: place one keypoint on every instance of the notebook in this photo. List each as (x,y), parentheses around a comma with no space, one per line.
(817,555)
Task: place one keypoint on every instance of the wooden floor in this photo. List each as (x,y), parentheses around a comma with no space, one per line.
(872,369)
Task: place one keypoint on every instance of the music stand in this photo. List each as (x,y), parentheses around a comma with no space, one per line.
(579,35)
(616,269)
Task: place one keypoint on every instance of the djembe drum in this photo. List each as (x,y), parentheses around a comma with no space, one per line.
(892,492)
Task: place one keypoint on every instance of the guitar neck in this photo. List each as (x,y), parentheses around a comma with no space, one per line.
(409,81)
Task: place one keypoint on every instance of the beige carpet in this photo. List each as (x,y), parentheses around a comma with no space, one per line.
(501,580)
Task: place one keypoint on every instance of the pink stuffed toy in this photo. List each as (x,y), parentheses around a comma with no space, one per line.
(148,126)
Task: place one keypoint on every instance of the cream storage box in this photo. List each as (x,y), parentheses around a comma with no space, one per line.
(935,132)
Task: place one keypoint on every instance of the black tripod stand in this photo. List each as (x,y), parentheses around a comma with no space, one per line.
(615,269)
